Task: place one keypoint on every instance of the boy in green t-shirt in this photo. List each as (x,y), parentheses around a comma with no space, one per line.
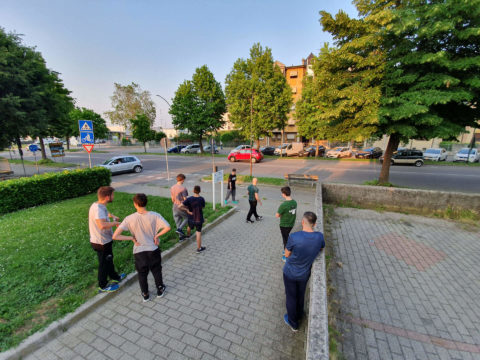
(287,212)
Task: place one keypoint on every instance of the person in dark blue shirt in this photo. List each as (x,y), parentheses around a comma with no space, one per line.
(301,251)
(194,207)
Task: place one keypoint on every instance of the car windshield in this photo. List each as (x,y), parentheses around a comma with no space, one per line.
(432,151)
(106,162)
(465,151)
(368,149)
(337,149)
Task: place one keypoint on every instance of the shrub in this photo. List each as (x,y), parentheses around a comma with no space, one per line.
(126,142)
(46,188)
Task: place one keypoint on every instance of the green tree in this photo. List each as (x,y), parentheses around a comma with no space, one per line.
(258,95)
(341,100)
(141,129)
(432,78)
(198,105)
(100,129)
(33,100)
(128,101)
(159,135)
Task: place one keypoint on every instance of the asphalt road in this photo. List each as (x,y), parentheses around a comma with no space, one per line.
(449,178)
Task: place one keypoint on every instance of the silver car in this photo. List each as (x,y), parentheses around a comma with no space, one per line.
(123,163)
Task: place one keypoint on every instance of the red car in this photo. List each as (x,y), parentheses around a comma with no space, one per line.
(244,154)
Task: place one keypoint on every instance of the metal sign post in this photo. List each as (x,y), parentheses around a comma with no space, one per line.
(34,148)
(217,177)
(166,157)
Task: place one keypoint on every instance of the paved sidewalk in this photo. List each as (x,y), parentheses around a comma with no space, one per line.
(409,286)
(226,303)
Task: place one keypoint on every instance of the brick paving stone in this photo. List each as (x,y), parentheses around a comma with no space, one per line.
(408,285)
(225,303)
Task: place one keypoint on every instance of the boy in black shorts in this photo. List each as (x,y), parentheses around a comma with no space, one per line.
(194,207)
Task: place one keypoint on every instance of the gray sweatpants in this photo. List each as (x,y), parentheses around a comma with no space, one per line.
(232,192)
(180,217)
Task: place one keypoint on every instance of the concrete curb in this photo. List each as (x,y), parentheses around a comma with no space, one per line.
(317,333)
(37,340)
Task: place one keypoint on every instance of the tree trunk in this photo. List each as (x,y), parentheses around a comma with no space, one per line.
(20,152)
(316,147)
(42,147)
(258,144)
(387,157)
(200,143)
(145,147)
(67,138)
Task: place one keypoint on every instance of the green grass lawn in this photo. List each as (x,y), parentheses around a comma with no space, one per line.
(48,267)
(241,179)
(47,162)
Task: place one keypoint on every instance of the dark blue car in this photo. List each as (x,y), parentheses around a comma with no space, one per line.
(175,149)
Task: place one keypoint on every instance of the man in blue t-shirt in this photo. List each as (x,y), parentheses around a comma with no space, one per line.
(301,250)
(194,207)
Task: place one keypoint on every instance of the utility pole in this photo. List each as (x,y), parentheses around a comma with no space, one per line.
(251,136)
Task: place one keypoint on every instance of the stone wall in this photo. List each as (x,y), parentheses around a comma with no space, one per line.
(396,199)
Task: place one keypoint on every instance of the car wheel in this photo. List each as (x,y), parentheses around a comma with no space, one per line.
(232,159)
(254,160)
(137,169)
(418,163)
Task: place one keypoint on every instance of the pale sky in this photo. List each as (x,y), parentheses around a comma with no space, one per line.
(158,44)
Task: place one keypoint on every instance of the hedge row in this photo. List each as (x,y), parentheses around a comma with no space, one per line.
(26,192)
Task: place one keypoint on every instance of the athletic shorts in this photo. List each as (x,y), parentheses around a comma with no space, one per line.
(197,226)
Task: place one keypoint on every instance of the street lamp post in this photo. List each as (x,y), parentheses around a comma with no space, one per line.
(165,141)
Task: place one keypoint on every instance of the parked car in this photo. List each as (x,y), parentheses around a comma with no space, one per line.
(267,150)
(240,147)
(435,154)
(244,154)
(190,149)
(369,153)
(339,152)
(407,156)
(175,149)
(310,151)
(123,163)
(279,149)
(208,149)
(463,154)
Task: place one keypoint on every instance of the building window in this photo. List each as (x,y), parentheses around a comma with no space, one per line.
(291,136)
(294,90)
(293,74)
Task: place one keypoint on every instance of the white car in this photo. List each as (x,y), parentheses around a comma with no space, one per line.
(339,152)
(123,163)
(190,149)
(435,154)
(208,149)
(463,154)
(240,147)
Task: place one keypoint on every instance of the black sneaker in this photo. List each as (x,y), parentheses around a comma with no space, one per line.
(161,291)
(181,238)
(180,233)
(259,218)
(201,249)
(146,297)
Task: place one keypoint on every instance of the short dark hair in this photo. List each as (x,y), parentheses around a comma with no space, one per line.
(286,190)
(310,217)
(234,169)
(140,199)
(180,177)
(196,189)
(104,191)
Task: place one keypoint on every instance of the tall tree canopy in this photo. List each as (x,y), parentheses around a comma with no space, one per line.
(199,104)
(100,130)
(128,101)
(258,95)
(33,99)
(407,69)
(141,130)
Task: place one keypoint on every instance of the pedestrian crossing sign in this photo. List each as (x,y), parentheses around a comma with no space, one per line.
(85,125)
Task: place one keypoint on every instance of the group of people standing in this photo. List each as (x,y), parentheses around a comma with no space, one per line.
(146,227)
